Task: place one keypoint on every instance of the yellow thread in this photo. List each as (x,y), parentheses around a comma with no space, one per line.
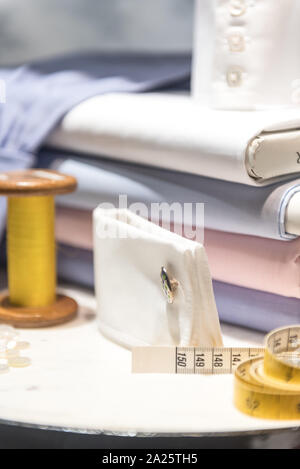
(31,251)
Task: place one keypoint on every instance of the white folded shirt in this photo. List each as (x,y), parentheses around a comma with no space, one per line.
(246,54)
(175,132)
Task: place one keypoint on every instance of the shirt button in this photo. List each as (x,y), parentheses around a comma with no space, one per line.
(237,7)
(236,42)
(234,77)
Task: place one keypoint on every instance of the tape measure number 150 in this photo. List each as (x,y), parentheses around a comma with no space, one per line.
(190,360)
(267,380)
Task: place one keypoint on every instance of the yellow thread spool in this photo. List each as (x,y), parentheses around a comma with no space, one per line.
(32,299)
(31,251)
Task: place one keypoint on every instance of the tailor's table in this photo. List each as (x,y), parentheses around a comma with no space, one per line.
(80,393)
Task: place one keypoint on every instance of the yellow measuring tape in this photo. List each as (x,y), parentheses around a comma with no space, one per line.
(269,387)
(266,382)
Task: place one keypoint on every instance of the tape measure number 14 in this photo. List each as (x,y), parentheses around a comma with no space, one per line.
(267,380)
(190,360)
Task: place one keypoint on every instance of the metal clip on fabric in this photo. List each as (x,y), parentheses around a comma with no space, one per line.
(32,300)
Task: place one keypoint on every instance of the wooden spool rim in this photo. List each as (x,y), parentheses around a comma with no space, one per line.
(63,310)
(36,182)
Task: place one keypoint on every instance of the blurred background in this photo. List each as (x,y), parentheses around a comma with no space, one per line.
(35,29)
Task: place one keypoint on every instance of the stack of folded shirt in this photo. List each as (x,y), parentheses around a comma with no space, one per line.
(154,146)
(242,166)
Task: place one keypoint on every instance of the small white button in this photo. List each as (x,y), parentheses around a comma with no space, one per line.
(237,7)
(235,77)
(236,42)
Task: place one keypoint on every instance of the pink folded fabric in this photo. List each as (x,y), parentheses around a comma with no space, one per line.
(257,263)
(74,227)
(248,261)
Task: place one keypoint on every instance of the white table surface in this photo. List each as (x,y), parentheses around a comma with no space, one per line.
(81,381)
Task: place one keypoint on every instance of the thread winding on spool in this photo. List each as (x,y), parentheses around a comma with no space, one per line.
(32,299)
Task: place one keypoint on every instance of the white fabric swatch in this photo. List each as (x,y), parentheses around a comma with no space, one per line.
(132,308)
(175,132)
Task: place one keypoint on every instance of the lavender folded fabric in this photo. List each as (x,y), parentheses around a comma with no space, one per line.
(230,207)
(255,309)
(75,265)
(40,94)
(240,306)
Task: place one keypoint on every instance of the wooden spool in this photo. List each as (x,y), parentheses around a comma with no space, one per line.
(33,183)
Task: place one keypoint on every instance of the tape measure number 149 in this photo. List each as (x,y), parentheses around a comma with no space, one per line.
(190,360)
(267,380)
